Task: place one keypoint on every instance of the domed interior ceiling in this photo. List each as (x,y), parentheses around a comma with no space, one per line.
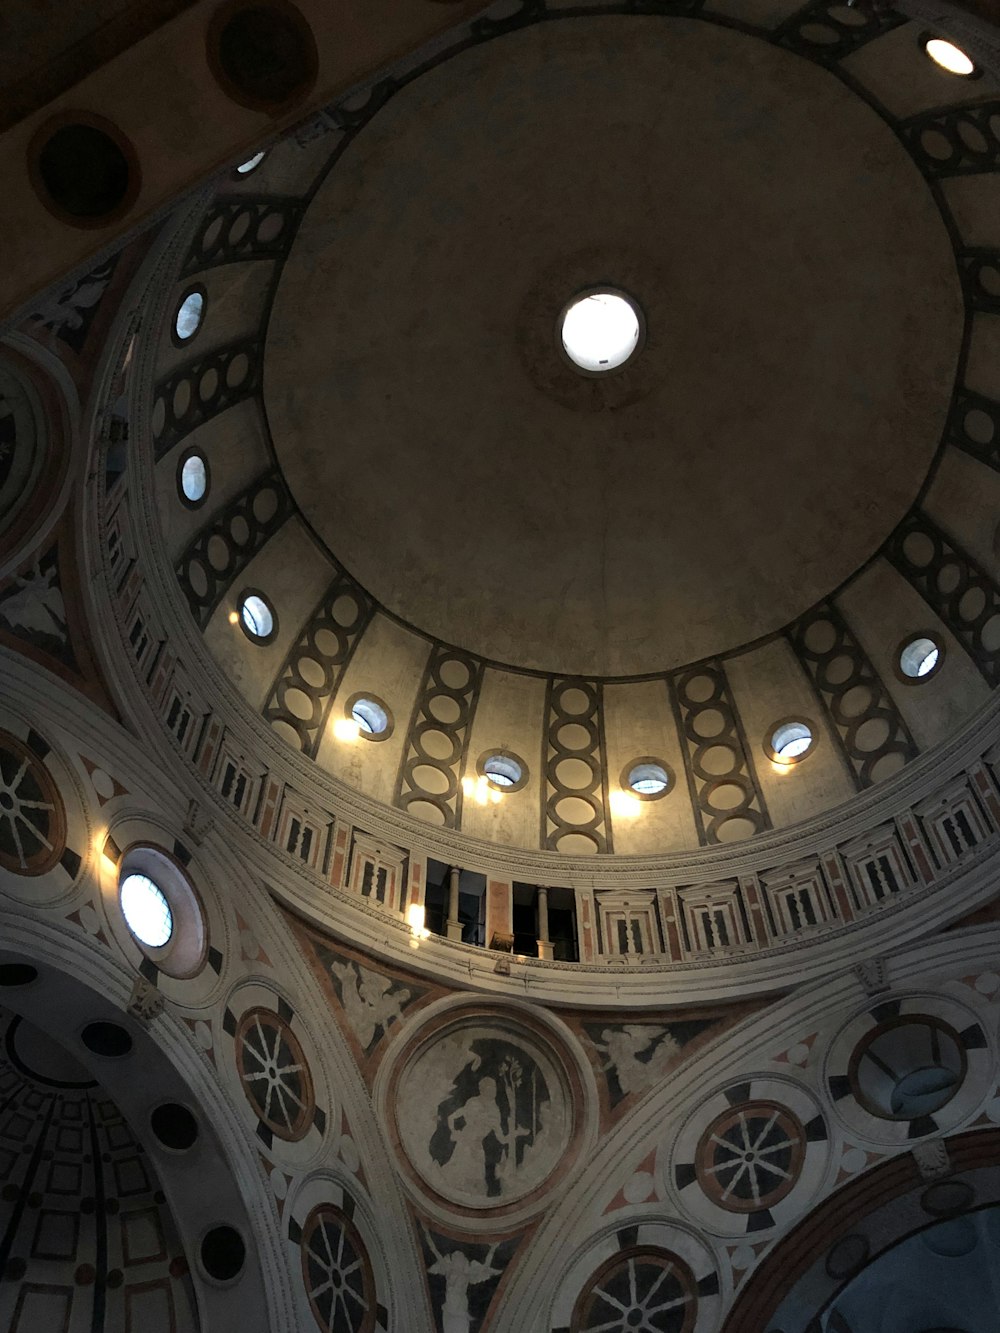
(776,426)
(794,477)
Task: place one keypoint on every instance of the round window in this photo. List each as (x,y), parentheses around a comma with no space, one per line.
(251,164)
(949,57)
(600,330)
(257,617)
(790,741)
(371,717)
(503,770)
(194,478)
(190,314)
(647,779)
(919,658)
(500,770)
(161,910)
(146,910)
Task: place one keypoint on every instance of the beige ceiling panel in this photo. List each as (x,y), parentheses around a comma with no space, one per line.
(769,686)
(639,723)
(965,501)
(906,81)
(761,13)
(236,450)
(982,369)
(388,663)
(289,168)
(292,575)
(510,714)
(975,205)
(883,610)
(237,295)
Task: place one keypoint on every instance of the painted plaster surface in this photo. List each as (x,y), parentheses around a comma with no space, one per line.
(779,421)
(483,1116)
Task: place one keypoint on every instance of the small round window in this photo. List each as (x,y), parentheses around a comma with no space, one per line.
(257,617)
(193,478)
(647,779)
(949,57)
(251,164)
(600,330)
(161,910)
(920,657)
(790,741)
(502,770)
(371,717)
(146,910)
(190,314)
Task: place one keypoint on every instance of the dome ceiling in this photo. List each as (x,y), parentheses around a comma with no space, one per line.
(775,427)
(793,478)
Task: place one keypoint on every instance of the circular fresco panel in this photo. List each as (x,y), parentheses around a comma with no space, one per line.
(484,1113)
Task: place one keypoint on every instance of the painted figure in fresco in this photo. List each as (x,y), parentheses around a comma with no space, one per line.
(460,1273)
(37,605)
(65,311)
(370,1001)
(623,1047)
(469,1126)
(513,1123)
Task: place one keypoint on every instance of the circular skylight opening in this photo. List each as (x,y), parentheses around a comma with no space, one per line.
(503,770)
(194,478)
(648,779)
(257,617)
(791,741)
(251,164)
(949,57)
(370,716)
(146,910)
(190,313)
(600,330)
(919,658)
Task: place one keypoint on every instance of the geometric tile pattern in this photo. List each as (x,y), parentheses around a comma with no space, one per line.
(85,1238)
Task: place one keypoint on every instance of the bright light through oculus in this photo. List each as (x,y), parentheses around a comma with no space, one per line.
(791,740)
(189,316)
(949,56)
(648,779)
(919,658)
(146,911)
(370,717)
(194,478)
(600,331)
(257,616)
(251,164)
(503,770)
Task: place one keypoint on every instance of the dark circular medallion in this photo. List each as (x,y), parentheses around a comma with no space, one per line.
(264,55)
(642,1288)
(107,1039)
(32,815)
(337,1273)
(223,1253)
(750,1157)
(275,1075)
(84,170)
